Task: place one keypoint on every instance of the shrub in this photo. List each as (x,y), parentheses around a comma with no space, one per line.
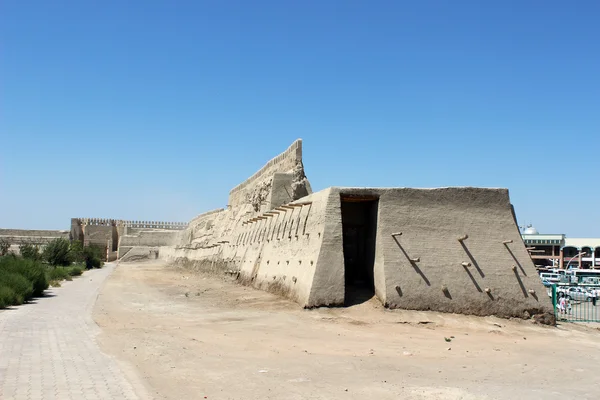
(76,250)
(30,251)
(92,256)
(75,271)
(58,274)
(22,287)
(32,270)
(4,247)
(57,252)
(7,296)
(93,263)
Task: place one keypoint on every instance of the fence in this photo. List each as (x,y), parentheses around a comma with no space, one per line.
(575,303)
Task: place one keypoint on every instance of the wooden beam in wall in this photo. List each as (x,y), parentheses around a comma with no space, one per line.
(358,197)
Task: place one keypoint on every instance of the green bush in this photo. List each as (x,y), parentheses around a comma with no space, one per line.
(7,296)
(58,273)
(4,247)
(75,271)
(76,250)
(57,252)
(93,256)
(93,263)
(30,251)
(30,269)
(22,287)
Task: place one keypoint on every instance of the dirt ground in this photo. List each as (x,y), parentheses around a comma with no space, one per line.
(192,336)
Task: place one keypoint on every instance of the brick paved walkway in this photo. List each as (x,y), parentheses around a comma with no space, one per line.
(48,350)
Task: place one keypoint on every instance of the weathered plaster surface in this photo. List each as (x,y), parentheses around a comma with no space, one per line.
(489,273)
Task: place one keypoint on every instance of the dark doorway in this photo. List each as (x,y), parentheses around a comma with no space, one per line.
(359,229)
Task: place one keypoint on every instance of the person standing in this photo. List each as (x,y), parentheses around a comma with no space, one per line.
(562,303)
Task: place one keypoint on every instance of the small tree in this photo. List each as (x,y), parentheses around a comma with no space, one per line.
(4,247)
(93,256)
(76,250)
(30,251)
(57,252)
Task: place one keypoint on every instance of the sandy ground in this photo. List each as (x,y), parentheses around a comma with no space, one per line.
(226,341)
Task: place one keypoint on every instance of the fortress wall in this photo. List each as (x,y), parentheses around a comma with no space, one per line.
(137,253)
(34,233)
(203,216)
(164,225)
(76,229)
(16,237)
(328,286)
(98,234)
(149,238)
(281,252)
(103,231)
(200,229)
(431,221)
(275,251)
(281,190)
(145,243)
(198,241)
(137,231)
(284,162)
(122,251)
(297,251)
(131,224)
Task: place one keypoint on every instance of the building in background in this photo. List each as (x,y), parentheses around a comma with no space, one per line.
(558,251)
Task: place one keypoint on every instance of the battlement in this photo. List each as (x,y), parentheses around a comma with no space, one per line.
(130,224)
(154,224)
(284,162)
(96,221)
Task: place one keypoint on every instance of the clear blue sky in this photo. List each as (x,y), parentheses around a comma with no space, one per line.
(155,109)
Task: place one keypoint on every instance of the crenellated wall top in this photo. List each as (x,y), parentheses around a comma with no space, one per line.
(155,224)
(132,224)
(284,162)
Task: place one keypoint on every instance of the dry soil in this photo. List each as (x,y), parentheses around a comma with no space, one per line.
(192,336)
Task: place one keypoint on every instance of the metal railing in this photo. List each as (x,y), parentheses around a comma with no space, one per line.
(575,302)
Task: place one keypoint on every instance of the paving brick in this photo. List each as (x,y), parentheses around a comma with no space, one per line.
(49,350)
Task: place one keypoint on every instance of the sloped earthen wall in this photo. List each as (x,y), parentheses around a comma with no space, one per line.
(421,264)
(276,250)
